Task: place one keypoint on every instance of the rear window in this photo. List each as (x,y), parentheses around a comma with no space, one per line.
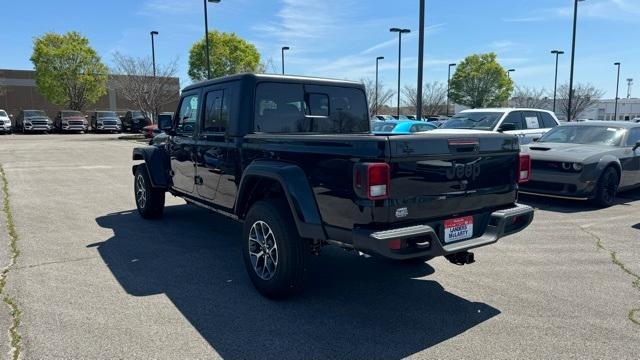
(384,127)
(297,108)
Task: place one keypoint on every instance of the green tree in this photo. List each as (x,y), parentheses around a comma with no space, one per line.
(228,53)
(68,71)
(480,82)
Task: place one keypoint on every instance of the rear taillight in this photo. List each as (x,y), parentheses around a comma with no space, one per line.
(524,168)
(371,180)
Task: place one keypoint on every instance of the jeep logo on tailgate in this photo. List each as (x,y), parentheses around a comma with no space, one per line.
(463,171)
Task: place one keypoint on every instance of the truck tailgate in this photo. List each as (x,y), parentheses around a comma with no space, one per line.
(447,174)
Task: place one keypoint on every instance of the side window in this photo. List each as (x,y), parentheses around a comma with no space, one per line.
(280,108)
(547,120)
(216,115)
(514,118)
(318,104)
(188,115)
(634,137)
(532,121)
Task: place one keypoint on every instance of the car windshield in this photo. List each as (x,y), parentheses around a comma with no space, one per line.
(3,114)
(137,114)
(34,113)
(71,114)
(384,127)
(588,135)
(474,120)
(107,114)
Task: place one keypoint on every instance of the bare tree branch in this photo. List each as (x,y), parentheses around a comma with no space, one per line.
(133,78)
(384,94)
(434,98)
(584,96)
(532,98)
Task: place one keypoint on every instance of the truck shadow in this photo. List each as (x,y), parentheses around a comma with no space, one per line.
(355,307)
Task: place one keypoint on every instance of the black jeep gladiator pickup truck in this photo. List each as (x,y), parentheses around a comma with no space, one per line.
(293,158)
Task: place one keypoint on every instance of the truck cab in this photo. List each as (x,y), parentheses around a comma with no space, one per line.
(294,159)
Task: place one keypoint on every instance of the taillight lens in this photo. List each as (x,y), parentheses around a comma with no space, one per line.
(524,168)
(371,180)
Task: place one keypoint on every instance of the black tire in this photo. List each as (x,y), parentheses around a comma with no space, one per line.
(289,274)
(149,201)
(607,188)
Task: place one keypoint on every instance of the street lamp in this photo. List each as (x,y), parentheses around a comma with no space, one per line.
(400,32)
(449,85)
(573,54)
(206,35)
(284,48)
(615,112)
(153,52)
(376,97)
(509,72)
(420,60)
(555,84)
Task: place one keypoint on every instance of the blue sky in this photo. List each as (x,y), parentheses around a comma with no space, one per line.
(341,38)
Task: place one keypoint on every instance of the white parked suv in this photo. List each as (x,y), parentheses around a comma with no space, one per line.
(528,124)
(5,122)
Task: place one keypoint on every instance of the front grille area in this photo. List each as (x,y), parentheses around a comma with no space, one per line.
(546,165)
(76,123)
(543,185)
(39,122)
(109,122)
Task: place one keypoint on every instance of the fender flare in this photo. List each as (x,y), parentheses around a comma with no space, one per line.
(607,161)
(157,163)
(296,188)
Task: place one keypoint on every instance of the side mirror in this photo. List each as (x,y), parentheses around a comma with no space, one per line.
(507,127)
(637,145)
(165,123)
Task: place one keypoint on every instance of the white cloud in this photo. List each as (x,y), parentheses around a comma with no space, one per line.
(596,9)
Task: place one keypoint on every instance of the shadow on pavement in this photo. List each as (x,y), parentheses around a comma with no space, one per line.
(567,206)
(354,307)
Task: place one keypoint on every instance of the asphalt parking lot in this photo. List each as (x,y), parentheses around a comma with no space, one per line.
(93,280)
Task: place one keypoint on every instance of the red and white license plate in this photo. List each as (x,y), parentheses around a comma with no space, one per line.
(458,229)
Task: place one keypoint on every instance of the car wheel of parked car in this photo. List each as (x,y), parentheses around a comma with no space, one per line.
(149,201)
(275,256)
(607,187)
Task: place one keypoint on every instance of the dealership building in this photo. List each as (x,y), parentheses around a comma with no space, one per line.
(628,109)
(18,91)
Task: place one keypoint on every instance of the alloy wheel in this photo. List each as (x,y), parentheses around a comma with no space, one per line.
(263,250)
(141,192)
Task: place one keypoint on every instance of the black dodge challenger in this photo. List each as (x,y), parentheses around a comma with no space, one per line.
(591,160)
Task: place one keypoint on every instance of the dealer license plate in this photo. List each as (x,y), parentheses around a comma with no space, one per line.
(458,229)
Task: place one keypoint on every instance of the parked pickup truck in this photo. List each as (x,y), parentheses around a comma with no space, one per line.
(293,158)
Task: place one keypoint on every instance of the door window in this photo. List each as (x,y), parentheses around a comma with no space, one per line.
(548,121)
(514,118)
(216,115)
(188,115)
(532,121)
(634,137)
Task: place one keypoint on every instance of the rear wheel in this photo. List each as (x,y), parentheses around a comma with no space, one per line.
(607,187)
(149,201)
(275,257)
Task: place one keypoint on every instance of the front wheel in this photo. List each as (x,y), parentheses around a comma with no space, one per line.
(607,187)
(275,256)
(149,201)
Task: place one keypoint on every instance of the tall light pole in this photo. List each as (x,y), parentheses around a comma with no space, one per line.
(284,48)
(555,83)
(420,60)
(376,97)
(509,72)
(449,86)
(400,32)
(573,56)
(615,111)
(206,35)
(153,52)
